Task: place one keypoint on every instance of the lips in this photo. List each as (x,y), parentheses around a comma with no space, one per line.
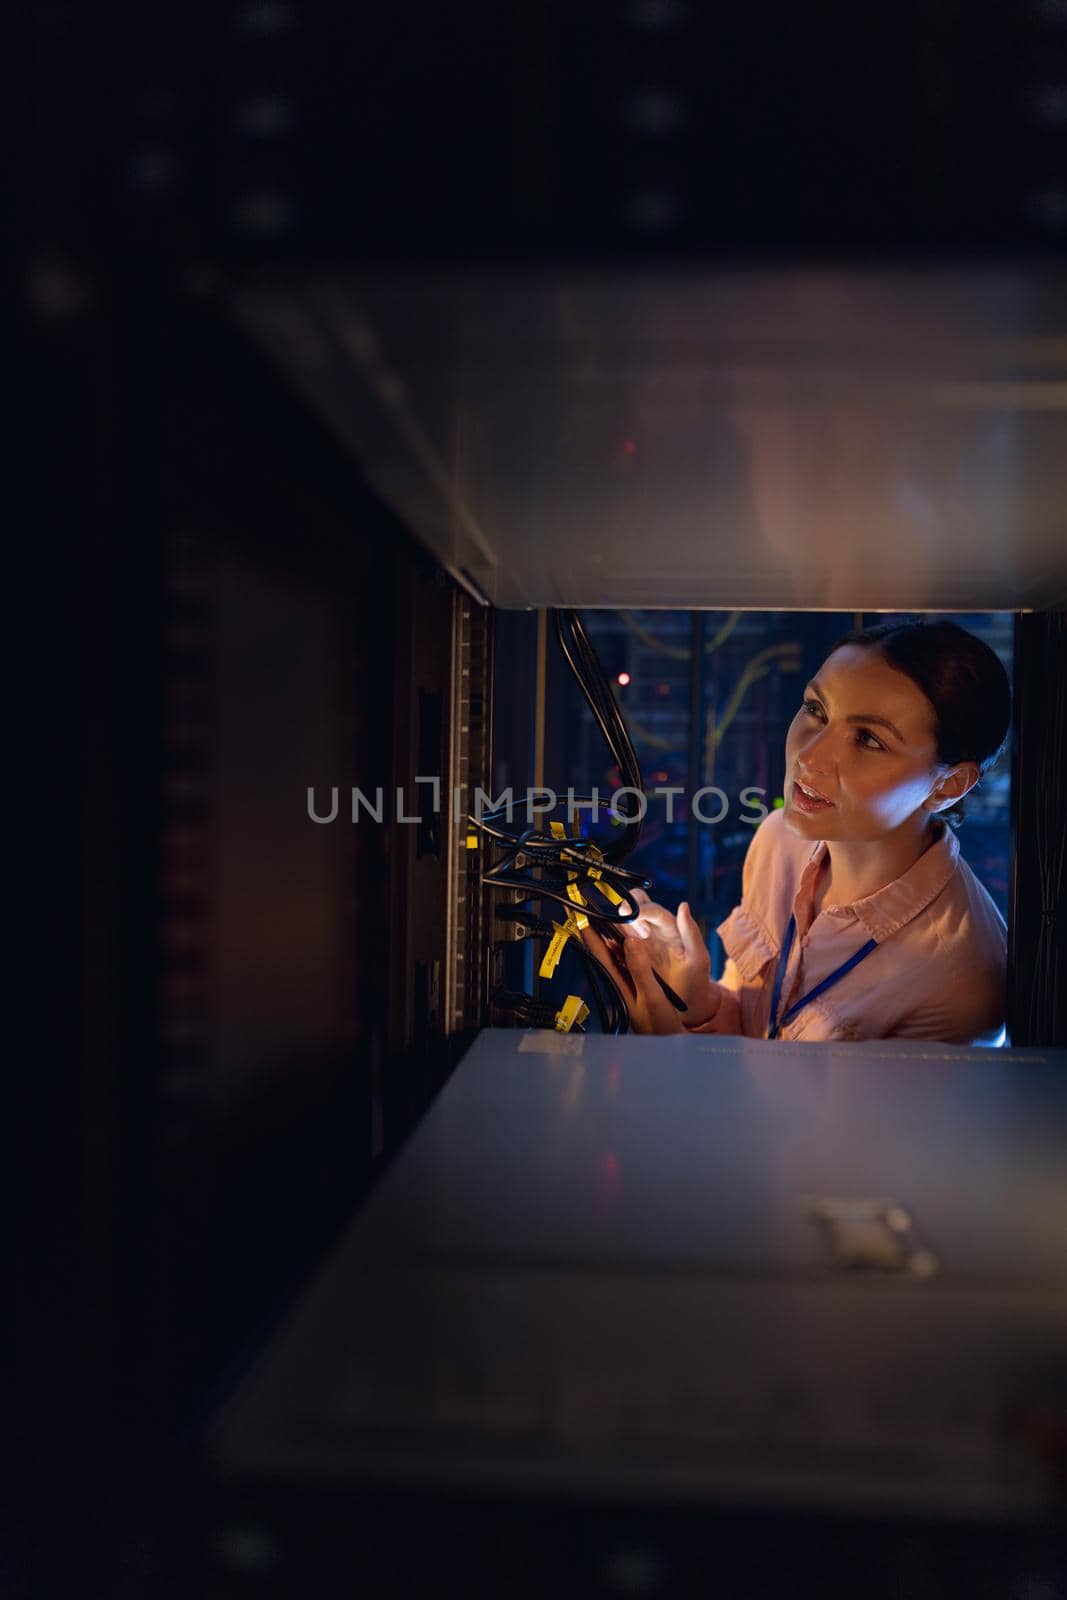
(813,794)
(808,799)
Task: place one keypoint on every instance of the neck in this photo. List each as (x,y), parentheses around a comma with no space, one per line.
(858,869)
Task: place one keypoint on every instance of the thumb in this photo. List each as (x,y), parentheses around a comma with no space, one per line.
(692,940)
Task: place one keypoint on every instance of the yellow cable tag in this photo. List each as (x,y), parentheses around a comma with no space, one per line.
(550,959)
(570,929)
(472,841)
(609,893)
(575,894)
(573,1009)
(560,832)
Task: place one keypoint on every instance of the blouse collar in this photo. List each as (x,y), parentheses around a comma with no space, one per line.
(889,908)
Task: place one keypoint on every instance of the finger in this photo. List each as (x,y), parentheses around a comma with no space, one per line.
(692,939)
(655,919)
(658,1013)
(641,963)
(603,949)
(651,910)
(661,928)
(634,927)
(638,962)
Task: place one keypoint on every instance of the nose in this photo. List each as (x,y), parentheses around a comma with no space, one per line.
(814,756)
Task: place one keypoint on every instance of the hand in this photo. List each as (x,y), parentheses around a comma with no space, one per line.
(673,947)
(630,966)
(678,953)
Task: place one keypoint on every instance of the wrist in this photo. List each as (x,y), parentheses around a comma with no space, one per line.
(705,1011)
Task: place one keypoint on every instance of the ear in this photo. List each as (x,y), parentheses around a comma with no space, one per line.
(957,782)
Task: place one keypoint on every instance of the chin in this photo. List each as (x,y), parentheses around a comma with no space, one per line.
(805,827)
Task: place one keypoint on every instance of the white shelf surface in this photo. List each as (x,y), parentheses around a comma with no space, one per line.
(591,1272)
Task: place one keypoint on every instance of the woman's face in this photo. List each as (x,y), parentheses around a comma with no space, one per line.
(864,740)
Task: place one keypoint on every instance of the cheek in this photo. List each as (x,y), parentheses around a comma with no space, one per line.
(794,735)
(884,789)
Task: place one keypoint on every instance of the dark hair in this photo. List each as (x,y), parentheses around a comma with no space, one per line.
(963,679)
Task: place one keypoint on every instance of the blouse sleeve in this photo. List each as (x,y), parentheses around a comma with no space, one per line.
(748,951)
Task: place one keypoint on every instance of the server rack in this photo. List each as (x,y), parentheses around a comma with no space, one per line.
(178,153)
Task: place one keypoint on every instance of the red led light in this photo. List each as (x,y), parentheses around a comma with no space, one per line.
(630,448)
(623,678)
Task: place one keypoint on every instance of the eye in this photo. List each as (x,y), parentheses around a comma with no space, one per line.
(864,736)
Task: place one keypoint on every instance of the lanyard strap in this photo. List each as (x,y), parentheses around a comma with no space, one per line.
(783,962)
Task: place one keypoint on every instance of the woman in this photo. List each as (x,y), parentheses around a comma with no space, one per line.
(858,918)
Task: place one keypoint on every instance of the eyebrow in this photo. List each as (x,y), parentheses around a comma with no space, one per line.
(882,722)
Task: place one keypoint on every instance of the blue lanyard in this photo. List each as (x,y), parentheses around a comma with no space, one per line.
(783,962)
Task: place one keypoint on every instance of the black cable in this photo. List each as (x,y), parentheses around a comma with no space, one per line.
(611,1007)
(583,661)
(534,1013)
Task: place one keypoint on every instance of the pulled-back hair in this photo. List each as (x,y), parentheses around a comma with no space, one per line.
(963,679)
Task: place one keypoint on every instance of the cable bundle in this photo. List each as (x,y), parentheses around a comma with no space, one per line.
(551,866)
(568,869)
(609,1004)
(574,873)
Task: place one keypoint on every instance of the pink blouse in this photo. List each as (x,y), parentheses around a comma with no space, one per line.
(938,971)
